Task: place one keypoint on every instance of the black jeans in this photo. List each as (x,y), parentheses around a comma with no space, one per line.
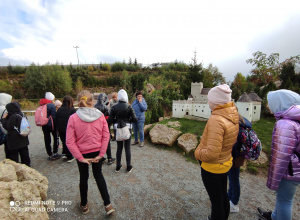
(126,145)
(47,130)
(84,176)
(6,150)
(108,151)
(24,154)
(65,148)
(216,187)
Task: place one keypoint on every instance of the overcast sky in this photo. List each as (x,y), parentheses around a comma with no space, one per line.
(224,33)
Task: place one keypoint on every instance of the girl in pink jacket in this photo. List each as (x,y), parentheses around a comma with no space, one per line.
(87,139)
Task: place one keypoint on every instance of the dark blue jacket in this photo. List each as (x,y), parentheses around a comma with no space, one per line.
(51,110)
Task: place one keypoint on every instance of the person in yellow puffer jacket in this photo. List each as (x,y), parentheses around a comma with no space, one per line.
(214,150)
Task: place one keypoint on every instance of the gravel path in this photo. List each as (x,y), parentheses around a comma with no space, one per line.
(162,185)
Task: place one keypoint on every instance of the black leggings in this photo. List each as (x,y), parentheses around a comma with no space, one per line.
(126,145)
(84,176)
(47,138)
(216,187)
(65,151)
(24,154)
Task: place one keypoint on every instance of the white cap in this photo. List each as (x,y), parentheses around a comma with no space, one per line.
(49,96)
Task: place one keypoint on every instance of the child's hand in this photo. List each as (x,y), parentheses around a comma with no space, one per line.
(96,159)
(86,161)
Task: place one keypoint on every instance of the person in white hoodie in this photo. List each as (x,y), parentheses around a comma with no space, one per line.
(87,139)
(4,100)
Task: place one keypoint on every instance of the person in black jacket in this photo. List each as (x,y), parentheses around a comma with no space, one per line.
(123,111)
(62,117)
(16,144)
(50,127)
(101,105)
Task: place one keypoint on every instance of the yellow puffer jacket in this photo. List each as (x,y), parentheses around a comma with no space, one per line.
(219,136)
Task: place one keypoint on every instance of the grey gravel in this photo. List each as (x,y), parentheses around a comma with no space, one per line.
(162,185)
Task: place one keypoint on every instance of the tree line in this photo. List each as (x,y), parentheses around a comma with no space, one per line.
(171,82)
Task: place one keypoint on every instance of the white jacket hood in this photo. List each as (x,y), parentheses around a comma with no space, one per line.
(122,96)
(4,100)
(88,114)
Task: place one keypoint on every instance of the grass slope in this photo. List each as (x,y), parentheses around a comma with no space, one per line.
(263,128)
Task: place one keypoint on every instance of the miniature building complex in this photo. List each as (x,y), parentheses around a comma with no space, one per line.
(249,106)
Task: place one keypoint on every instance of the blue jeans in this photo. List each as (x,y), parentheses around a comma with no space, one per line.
(138,127)
(234,190)
(284,199)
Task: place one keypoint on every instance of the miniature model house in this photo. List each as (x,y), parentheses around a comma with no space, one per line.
(249,106)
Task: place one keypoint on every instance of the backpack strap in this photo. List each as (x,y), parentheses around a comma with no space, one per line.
(50,117)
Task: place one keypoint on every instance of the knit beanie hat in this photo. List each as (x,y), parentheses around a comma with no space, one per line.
(57,103)
(49,96)
(220,95)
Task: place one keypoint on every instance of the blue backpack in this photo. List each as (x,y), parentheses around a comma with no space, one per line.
(251,145)
(2,137)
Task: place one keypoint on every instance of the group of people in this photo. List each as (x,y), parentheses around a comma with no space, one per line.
(85,135)
(218,155)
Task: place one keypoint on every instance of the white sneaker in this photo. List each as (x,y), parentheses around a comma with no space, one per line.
(71,160)
(234,208)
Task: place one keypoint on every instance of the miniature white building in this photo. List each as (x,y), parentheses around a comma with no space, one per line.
(196,105)
(249,106)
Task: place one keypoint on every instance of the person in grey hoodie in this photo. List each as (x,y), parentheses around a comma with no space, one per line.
(101,105)
(4,100)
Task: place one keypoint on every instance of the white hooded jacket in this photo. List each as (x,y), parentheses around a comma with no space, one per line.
(4,100)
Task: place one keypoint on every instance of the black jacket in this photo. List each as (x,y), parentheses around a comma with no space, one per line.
(62,117)
(102,104)
(124,111)
(12,122)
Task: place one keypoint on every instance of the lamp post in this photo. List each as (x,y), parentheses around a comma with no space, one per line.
(77,54)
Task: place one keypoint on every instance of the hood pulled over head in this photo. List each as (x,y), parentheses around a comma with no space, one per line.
(102,99)
(122,96)
(88,114)
(281,100)
(5,99)
(13,108)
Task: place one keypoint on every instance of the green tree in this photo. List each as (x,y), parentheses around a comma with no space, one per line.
(160,111)
(40,79)
(195,70)
(78,85)
(154,115)
(238,86)
(135,62)
(35,81)
(266,68)
(208,78)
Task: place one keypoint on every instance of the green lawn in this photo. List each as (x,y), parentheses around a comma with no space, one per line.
(263,128)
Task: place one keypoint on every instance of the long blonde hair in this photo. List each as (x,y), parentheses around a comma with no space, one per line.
(85,99)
